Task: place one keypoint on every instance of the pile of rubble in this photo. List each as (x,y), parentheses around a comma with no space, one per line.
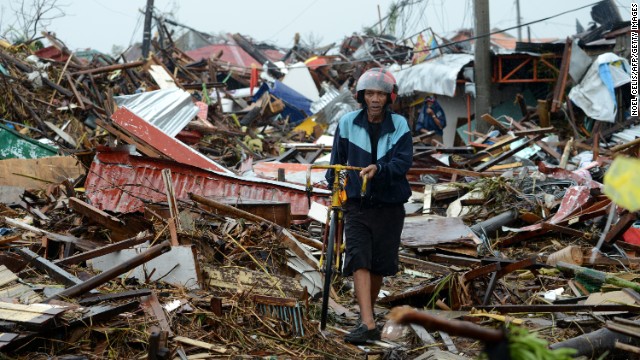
(148,210)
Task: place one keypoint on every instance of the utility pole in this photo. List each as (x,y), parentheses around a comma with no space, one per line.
(482,63)
(146,33)
(519,21)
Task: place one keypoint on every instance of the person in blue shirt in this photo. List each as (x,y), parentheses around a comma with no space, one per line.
(431,118)
(380,141)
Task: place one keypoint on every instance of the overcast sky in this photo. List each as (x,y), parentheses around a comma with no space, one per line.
(100,24)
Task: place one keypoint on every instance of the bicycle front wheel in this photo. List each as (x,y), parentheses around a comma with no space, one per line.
(328,267)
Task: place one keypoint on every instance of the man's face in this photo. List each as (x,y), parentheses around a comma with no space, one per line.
(375,100)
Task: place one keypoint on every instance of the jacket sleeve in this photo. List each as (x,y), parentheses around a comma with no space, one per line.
(400,161)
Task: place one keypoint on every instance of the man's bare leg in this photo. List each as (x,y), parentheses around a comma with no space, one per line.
(363,287)
(376,284)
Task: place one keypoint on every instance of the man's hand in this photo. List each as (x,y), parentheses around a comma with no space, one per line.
(430,112)
(369,171)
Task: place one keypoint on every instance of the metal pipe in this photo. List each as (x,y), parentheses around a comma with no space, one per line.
(492,224)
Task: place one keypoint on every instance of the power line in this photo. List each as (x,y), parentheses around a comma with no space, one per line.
(513,27)
(294,20)
(383,57)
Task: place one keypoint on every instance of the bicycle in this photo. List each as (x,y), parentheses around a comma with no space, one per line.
(332,245)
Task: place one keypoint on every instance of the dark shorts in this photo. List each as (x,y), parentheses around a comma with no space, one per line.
(372,238)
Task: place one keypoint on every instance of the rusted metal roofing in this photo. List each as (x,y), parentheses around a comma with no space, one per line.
(123,183)
(162,142)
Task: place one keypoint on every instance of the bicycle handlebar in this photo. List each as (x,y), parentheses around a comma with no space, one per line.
(337,168)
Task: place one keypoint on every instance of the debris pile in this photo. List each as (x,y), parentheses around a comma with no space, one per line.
(156,208)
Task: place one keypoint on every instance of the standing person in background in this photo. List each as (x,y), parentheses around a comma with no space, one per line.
(379,141)
(431,118)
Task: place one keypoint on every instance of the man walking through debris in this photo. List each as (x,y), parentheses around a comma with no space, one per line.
(380,141)
(431,118)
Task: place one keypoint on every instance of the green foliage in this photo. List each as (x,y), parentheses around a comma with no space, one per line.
(524,345)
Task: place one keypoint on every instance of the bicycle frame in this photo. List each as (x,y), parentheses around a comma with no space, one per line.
(332,244)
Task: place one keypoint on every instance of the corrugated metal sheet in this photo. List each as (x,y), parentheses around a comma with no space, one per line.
(162,142)
(170,110)
(436,76)
(120,182)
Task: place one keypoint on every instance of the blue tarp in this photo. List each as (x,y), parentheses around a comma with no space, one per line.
(296,105)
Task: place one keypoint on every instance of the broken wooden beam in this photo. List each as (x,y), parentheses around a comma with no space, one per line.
(537,131)
(561,83)
(107,249)
(200,344)
(96,215)
(51,269)
(227,209)
(506,154)
(112,273)
(80,243)
(114,296)
(104,312)
(493,121)
(110,68)
(543,145)
(30,316)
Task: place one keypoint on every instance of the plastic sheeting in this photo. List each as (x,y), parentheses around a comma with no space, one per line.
(297,106)
(595,94)
(621,183)
(299,78)
(436,76)
(170,110)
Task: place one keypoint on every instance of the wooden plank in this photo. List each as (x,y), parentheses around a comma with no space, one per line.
(561,83)
(6,338)
(114,296)
(152,307)
(506,155)
(516,164)
(81,243)
(240,279)
(428,265)
(39,173)
(48,267)
(543,145)
(428,191)
(463,172)
(201,344)
(6,276)
(493,121)
(423,334)
(107,249)
(22,293)
(537,131)
(96,215)
(104,312)
(29,315)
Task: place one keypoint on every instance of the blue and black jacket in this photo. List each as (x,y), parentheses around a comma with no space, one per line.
(352,146)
